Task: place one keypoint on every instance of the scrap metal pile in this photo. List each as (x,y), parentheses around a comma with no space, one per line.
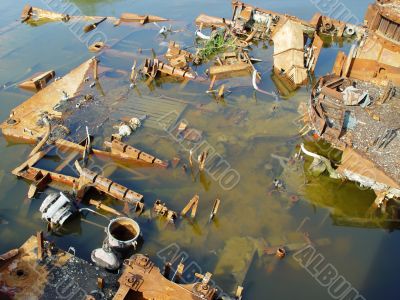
(355,109)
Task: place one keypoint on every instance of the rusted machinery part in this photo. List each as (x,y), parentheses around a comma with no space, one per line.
(280,252)
(44,139)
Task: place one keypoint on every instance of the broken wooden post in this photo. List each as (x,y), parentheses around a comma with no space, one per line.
(239,292)
(133,73)
(221,92)
(192,205)
(213,79)
(88,148)
(191,161)
(100,283)
(214,209)
(179,272)
(167,270)
(95,68)
(202,160)
(40,249)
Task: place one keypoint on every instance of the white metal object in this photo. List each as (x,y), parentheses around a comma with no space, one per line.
(105,259)
(202,35)
(56,208)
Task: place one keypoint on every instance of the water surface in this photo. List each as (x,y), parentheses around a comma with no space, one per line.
(251,131)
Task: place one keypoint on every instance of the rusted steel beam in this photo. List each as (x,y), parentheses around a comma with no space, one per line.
(119,151)
(33,174)
(31,13)
(128,152)
(30,162)
(339,63)
(103,184)
(42,178)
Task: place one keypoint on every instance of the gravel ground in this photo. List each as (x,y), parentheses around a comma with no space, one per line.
(373,123)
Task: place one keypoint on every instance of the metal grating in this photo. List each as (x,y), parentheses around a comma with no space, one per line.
(161,112)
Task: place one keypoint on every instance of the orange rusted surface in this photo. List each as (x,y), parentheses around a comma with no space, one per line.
(37,82)
(143,19)
(123,151)
(142,280)
(355,162)
(378,57)
(23,121)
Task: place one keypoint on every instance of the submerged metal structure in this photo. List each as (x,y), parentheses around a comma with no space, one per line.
(356,108)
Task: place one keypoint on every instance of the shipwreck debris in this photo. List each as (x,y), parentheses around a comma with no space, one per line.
(123,233)
(376,57)
(91,179)
(26,115)
(214,209)
(192,205)
(154,67)
(102,206)
(343,112)
(93,26)
(162,210)
(38,81)
(27,275)
(124,151)
(141,277)
(142,19)
(97,46)
(280,252)
(57,208)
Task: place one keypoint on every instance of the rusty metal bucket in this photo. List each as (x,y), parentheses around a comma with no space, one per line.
(122,233)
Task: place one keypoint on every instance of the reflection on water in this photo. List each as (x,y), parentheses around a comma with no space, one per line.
(256,135)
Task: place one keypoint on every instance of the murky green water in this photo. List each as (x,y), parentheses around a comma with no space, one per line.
(250,131)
